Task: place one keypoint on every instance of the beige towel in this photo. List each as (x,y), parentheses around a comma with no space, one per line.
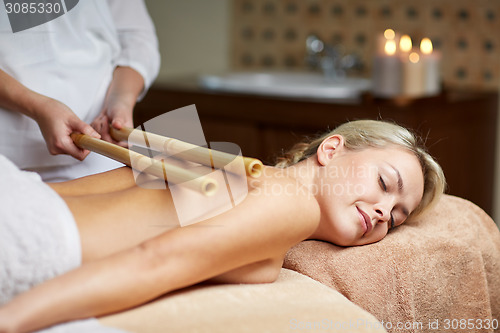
(294,303)
(438,273)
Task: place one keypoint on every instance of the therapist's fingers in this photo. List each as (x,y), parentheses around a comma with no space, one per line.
(85,128)
(119,125)
(101,125)
(79,126)
(121,116)
(97,123)
(69,147)
(106,125)
(63,144)
(57,121)
(116,114)
(74,150)
(122,120)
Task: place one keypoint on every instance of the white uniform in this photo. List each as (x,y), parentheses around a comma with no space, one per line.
(71,58)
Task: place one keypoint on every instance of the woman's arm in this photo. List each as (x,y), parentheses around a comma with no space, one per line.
(137,37)
(56,120)
(138,64)
(264,226)
(16,97)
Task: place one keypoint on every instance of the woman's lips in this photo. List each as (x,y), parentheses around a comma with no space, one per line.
(365,221)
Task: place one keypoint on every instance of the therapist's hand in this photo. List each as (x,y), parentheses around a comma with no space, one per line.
(119,104)
(57,122)
(117,113)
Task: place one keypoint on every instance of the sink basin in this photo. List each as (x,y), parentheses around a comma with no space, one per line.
(287,84)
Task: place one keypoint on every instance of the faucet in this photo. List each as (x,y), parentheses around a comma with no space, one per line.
(329,59)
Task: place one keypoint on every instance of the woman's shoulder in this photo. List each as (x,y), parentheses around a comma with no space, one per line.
(283,189)
(281,180)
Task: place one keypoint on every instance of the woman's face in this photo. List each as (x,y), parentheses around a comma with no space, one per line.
(364,193)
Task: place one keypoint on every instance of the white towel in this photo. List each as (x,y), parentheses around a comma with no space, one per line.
(81,326)
(38,238)
(38,235)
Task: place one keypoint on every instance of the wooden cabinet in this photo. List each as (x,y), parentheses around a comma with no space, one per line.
(459,128)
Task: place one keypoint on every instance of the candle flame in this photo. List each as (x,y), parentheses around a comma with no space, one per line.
(405,43)
(414,57)
(390,47)
(426,46)
(389,34)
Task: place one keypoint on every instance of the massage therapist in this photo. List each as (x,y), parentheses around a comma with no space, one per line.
(70,66)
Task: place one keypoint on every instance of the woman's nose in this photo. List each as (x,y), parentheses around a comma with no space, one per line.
(382,217)
(383,212)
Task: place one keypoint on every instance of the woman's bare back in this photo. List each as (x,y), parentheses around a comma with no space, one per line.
(128,215)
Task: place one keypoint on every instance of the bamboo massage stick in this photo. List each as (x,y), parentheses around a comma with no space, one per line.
(175,174)
(185,150)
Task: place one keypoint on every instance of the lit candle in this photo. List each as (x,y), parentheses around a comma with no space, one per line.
(405,44)
(430,60)
(413,85)
(387,71)
(388,34)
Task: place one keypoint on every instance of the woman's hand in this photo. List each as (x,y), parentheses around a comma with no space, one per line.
(57,122)
(117,112)
(119,104)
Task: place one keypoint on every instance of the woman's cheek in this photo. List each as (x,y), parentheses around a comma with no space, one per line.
(377,234)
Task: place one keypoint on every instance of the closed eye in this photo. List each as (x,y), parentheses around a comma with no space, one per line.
(383,185)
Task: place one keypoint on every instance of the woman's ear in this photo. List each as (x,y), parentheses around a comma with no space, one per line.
(329,147)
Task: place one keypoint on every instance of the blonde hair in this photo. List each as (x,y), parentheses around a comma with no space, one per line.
(362,134)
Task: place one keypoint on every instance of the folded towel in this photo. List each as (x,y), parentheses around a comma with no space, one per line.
(38,238)
(294,303)
(38,235)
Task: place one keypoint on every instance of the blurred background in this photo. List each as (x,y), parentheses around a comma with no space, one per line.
(194,35)
(204,42)
(214,35)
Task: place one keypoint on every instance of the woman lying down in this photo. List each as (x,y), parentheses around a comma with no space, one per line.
(381,177)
